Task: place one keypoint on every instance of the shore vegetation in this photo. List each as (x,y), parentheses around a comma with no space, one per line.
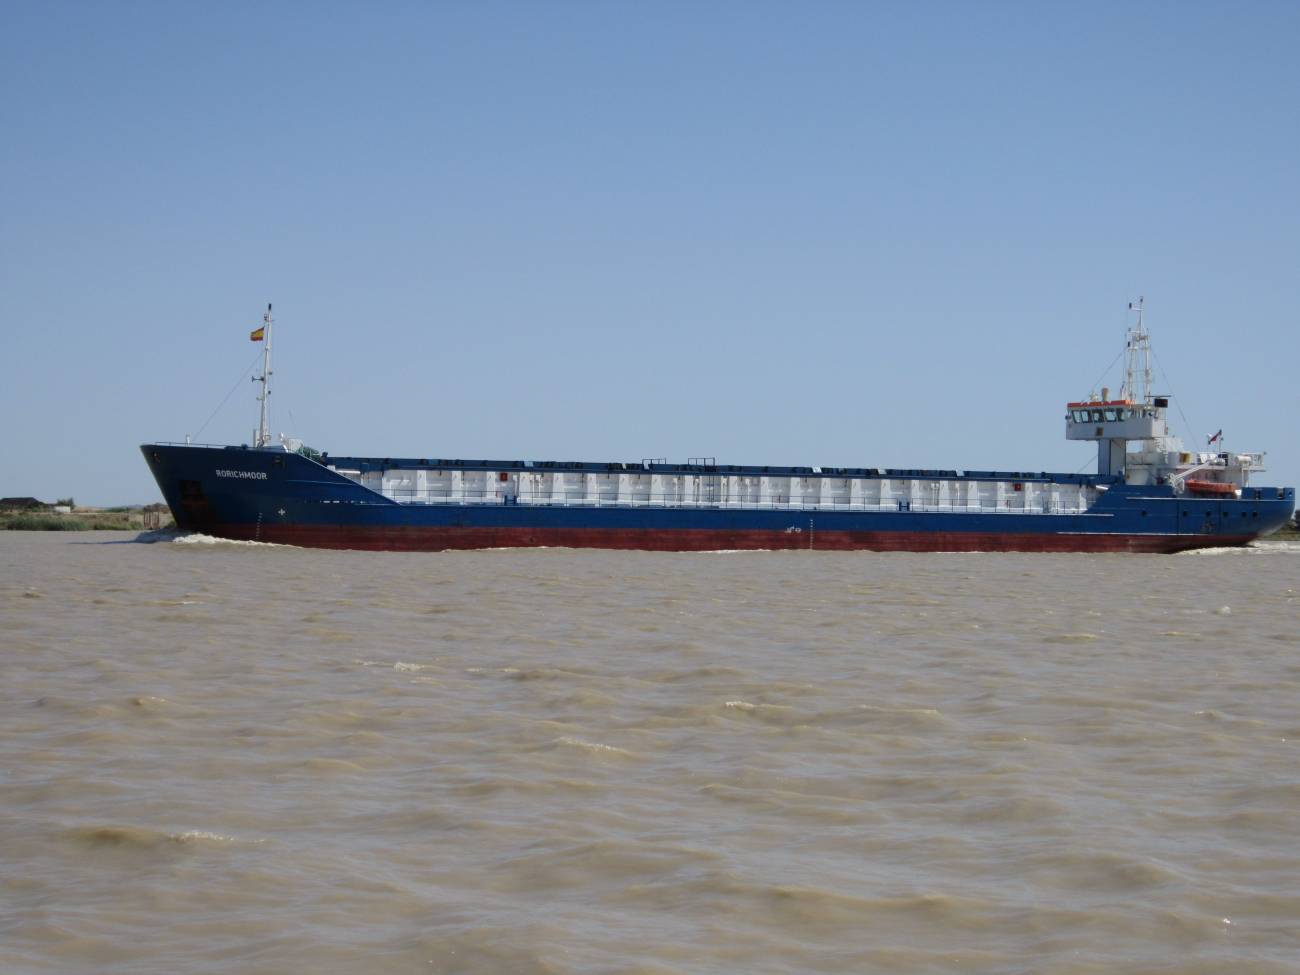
(123,519)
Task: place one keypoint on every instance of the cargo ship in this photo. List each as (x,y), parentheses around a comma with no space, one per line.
(1148,494)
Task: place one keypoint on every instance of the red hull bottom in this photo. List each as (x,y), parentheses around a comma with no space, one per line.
(447,538)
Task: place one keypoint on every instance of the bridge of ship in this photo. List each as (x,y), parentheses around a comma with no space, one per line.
(1113,424)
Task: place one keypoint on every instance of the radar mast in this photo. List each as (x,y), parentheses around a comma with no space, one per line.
(1137,352)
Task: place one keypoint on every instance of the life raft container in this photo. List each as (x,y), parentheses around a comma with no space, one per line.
(1215,488)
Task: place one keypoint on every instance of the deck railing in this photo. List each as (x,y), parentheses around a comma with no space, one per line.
(773,503)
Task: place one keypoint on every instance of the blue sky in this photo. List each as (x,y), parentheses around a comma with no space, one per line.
(870,234)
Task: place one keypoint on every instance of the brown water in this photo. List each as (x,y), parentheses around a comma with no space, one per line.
(225,757)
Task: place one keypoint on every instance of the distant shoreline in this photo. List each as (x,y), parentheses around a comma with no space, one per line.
(120,520)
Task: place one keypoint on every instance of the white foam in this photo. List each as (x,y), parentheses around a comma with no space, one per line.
(197,835)
(198,538)
(1263,547)
(591,746)
(1278,545)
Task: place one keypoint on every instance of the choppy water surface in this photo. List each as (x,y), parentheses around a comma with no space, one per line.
(219,757)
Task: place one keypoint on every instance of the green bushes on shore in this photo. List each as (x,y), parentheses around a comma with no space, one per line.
(36,521)
(43,523)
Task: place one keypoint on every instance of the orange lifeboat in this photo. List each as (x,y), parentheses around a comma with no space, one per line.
(1212,488)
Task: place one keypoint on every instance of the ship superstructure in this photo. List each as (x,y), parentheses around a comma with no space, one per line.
(1138,417)
(1148,494)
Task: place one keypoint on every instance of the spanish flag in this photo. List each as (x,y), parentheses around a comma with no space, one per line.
(257,334)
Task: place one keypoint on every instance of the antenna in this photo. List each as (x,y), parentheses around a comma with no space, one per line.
(263,438)
(1138,347)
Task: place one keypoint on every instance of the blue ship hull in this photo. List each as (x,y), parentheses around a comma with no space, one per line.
(273,495)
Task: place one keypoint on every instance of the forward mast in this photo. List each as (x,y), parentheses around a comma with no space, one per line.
(263,437)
